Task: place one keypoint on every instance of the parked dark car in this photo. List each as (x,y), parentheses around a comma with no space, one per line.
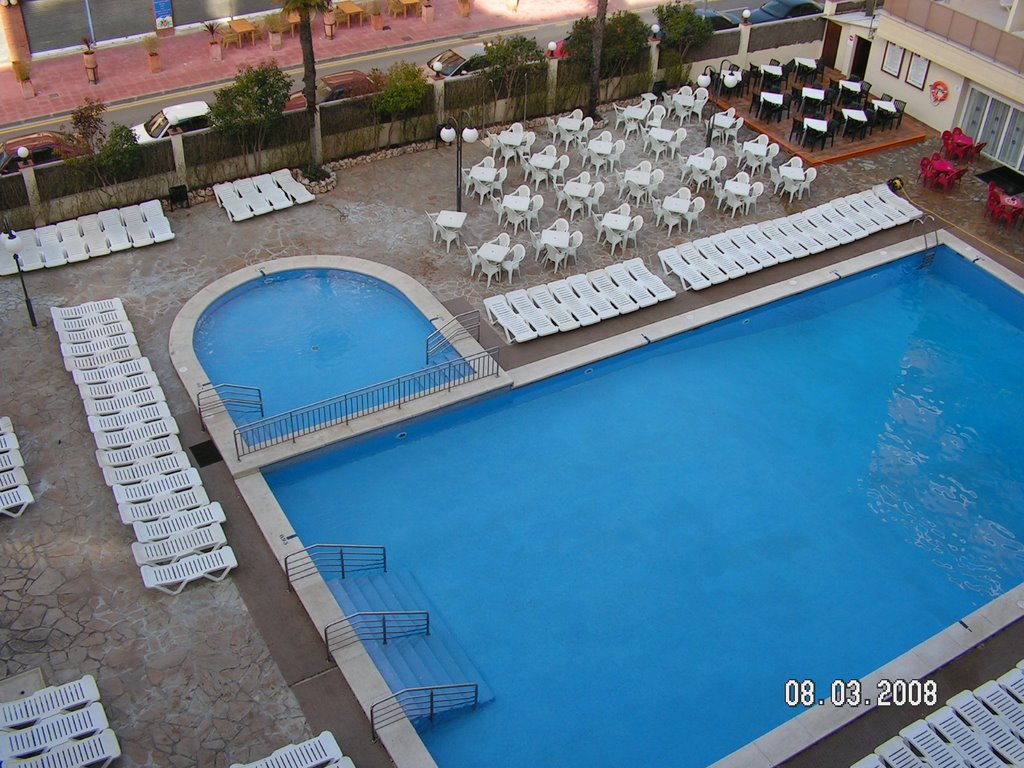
(777,10)
(719,21)
(340,85)
(455,62)
(43,147)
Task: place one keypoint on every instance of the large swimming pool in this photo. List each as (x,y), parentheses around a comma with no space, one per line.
(638,555)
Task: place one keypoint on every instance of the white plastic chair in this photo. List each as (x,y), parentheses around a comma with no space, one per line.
(532,215)
(756,190)
(596,192)
(575,241)
(633,231)
(805,186)
(696,208)
(511,264)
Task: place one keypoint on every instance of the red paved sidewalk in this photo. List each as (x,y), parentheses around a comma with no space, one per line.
(61,84)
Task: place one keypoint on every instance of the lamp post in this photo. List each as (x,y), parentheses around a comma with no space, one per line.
(552,47)
(746,15)
(11,243)
(451,131)
(704,78)
(655,32)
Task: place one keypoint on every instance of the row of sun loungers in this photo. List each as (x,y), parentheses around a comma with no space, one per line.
(15,495)
(63,726)
(979,729)
(244,198)
(579,300)
(319,752)
(740,251)
(96,234)
(157,490)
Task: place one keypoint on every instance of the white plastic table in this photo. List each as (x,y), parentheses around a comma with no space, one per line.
(814,124)
(481,173)
(676,204)
(738,188)
(545,162)
(600,147)
(510,138)
(555,238)
(493,252)
(636,113)
(516,203)
(451,219)
(700,162)
(755,148)
(577,189)
(638,177)
(791,172)
(855,114)
(722,120)
(771,98)
(884,105)
(615,221)
(664,135)
(815,94)
(570,124)
(850,85)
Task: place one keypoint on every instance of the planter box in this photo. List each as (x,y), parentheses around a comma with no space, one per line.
(154,62)
(428,14)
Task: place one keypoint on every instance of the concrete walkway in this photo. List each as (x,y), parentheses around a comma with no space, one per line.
(230,671)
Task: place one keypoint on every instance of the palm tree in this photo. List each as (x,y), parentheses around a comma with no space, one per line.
(595,64)
(305,9)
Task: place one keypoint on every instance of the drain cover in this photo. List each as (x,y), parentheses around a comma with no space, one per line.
(205,453)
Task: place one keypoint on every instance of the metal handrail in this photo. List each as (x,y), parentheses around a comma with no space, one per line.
(340,559)
(341,409)
(375,625)
(419,703)
(463,325)
(233,398)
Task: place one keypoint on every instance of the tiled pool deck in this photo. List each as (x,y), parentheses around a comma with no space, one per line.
(228,672)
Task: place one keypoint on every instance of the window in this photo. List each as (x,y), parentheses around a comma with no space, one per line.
(998,124)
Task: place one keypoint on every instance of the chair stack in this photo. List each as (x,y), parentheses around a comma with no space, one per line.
(64,726)
(91,236)
(178,532)
(579,300)
(742,250)
(254,196)
(15,495)
(319,752)
(983,728)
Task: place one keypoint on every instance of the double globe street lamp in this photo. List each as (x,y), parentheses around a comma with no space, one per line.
(452,131)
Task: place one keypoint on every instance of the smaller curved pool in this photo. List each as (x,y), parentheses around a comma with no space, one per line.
(305,335)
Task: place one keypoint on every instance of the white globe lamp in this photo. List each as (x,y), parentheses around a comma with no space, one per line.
(703,80)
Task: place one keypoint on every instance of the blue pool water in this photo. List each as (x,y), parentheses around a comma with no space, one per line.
(638,555)
(306,335)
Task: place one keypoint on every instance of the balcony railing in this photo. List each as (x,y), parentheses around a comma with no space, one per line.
(982,39)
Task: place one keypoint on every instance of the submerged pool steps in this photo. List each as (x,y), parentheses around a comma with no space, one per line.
(409,662)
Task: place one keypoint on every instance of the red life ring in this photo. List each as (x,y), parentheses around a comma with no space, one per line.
(940,92)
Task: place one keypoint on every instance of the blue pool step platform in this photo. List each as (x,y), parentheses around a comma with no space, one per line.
(409,662)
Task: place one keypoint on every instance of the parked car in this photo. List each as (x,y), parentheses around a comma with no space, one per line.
(190,116)
(43,147)
(340,85)
(777,10)
(719,21)
(455,62)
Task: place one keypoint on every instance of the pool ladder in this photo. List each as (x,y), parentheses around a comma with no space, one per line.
(340,559)
(230,398)
(928,255)
(462,326)
(423,703)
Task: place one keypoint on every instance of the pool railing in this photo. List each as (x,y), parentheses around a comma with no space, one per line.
(418,704)
(341,409)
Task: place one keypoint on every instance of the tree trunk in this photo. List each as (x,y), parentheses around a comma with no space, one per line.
(309,85)
(595,67)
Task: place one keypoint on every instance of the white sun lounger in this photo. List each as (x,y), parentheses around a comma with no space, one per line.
(745,261)
(140,452)
(8,442)
(897,753)
(616,296)
(96,751)
(232,203)
(101,360)
(622,278)
(827,213)
(159,225)
(542,297)
(777,251)
(252,197)
(639,272)
(689,276)
(806,239)
(179,522)
(15,501)
(95,238)
(515,327)
(600,304)
(113,230)
(795,246)
(706,248)
(112,372)
(1012,681)
(690,255)
(863,207)
(99,346)
(274,195)
(887,197)
(94,332)
(963,738)
(754,250)
(843,208)
(322,750)
(937,752)
(173,577)
(31,255)
(52,731)
(109,406)
(92,320)
(135,224)
(157,509)
(531,313)
(6,426)
(130,418)
(71,241)
(870,761)
(1004,705)
(180,545)
(988,727)
(567,297)
(11,459)
(139,434)
(152,210)
(876,204)
(146,470)
(88,308)
(291,187)
(163,485)
(12,478)
(119,387)
(47,702)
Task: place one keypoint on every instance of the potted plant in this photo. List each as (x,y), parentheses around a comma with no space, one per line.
(465,6)
(330,19)
(276,27)
(89,58)
(373,8)
(151,44)
(216,53)
(427,11)
(22,71)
